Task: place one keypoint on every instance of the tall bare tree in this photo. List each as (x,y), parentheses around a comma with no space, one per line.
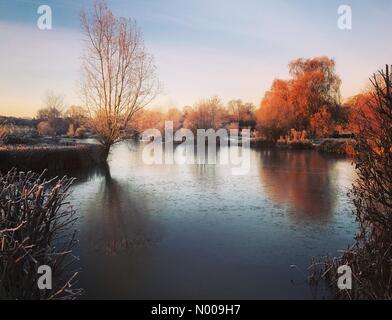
(118,74)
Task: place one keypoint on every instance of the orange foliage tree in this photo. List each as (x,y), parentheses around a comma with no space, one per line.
(275,116)
(147,119)
(321,123)
(155,119)
(311,95)
(176,117)
(360,111)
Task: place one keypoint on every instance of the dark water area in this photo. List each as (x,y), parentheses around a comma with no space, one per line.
(199,232)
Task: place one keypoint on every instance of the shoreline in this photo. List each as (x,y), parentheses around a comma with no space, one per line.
(341,147)
(79,155)
(51,157)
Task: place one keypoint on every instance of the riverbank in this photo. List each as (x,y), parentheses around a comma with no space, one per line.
(337,146)
(343,147)
(70,156)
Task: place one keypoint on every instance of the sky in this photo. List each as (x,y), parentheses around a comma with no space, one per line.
(230,48)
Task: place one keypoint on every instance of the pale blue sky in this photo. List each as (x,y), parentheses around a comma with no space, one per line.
(232,48)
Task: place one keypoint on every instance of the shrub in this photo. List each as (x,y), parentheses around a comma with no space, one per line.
(80,133)
(45,129)
(5,131)
(12,134)
(338,146)
(35,229)
(71,130)
(370,258)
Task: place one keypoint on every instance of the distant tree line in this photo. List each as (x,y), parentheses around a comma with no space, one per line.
(54,119)
(205,114)
(308,105)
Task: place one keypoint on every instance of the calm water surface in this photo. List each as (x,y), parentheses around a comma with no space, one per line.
(198,232)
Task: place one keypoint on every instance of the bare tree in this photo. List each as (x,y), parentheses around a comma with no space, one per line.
(77,114)
(53,107)
(118,74)
(206,114)
(240,111)
(370,257)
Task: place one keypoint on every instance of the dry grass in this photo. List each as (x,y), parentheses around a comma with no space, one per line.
(338,146)
(370,258)
(9,133)
(36,228)
(56,158)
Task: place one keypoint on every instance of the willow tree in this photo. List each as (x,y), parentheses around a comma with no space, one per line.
(118,74)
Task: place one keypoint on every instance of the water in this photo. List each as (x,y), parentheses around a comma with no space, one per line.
(198,232)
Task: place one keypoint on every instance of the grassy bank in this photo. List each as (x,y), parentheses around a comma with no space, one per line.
(296,145)
(337,146)
(51,157)
(344,147)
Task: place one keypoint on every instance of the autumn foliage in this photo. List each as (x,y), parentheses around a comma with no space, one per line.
(360,111)
(370,258)
(204,114)
(276,116)
(309,101)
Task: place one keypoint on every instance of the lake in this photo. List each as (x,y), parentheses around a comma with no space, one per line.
(199,232)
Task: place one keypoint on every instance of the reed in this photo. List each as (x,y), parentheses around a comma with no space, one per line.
(370,257)
(55,158)
(36,228)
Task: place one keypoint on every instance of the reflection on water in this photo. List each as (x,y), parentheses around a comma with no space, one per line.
(305,181)
(118,221)
(198,232)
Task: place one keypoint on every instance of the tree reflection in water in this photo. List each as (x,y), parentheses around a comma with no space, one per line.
(175,231)
(117,219)
(304,181)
